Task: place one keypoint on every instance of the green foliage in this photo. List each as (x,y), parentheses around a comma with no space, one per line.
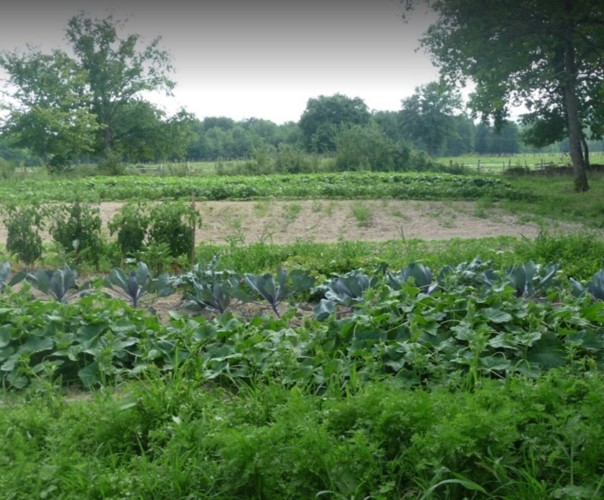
(77,229)
(138,283)
(325,115)
(276,289)
(51,115)
(289,159)
(345,185)
(174,224)
(117,69)
(368,149)
(56,283)
(509,57)
(24,224)
(5,271)
(208,288)
(427,117)
(512,439)
(7,169)
(130,225)
(112,164)
(595,287)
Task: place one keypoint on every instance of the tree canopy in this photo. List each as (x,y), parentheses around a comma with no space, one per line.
(325,115)
(427,116)
(545,54)
(50,109)
(63,105)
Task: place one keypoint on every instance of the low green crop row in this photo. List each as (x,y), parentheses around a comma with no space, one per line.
(471,321)
(347,185)
(172,437)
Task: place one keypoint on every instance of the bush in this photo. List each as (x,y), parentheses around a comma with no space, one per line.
(77,229)
(367,148)
(24,224)
(130,224)
(292,160)
(7,169)
(112,165)
(174,224)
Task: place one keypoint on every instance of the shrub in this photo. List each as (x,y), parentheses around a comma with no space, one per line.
(112,165)
(130,224)
(367,148)
(174,224)
(292,160)
(24,224)
(7,169)
(77,229)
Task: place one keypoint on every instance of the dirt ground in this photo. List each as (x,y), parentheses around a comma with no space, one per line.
(244,222)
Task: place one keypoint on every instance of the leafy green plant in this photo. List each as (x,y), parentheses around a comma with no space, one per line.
(291,211)
(275,289)
(77,229)
(530,279)
(347,290)
(420,275)
(130,225)
(24,224)
(361,213)
(174,224)
(595,286)
(215,296)
(138,283)
(60,284)
(208,288)
(5,274)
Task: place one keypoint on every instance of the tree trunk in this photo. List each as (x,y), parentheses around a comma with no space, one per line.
(585,151)
(571,102)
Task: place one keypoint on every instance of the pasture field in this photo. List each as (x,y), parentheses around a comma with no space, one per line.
(497,164)
(403,368)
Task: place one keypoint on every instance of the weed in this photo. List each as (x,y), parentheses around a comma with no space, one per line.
(362,213)
(291,211)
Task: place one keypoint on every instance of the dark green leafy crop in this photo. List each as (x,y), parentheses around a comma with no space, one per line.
(275,289)
(57,284)
(138,283)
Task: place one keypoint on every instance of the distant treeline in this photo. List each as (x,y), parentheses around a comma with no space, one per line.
(328,125)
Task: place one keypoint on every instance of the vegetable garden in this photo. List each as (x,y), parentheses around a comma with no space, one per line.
(470,369)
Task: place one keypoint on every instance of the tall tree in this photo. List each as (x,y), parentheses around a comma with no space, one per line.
(118,71)
(49,109)
(427,116)
(325,115)
(546,54)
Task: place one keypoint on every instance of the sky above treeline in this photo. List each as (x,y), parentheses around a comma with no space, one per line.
(255,58)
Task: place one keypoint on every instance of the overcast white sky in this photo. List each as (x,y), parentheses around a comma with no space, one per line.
(255,58)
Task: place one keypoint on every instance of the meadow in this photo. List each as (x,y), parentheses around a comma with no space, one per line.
(406,368)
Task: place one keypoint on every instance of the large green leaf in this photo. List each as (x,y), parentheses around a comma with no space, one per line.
(90,375)
(496,315)
(548,352)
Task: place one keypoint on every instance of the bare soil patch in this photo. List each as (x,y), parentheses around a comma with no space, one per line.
(279,222)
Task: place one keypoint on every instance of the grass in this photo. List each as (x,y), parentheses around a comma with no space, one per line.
(498,164)
(291,211)
(173,438)
(556,199)
(362,214)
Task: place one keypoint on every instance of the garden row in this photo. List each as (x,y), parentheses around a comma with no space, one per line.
(468,321)
(346,185)
(161,231)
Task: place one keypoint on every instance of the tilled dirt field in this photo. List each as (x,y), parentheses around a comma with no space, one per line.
(279,222)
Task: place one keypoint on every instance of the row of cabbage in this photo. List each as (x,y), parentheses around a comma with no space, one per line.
(410,325)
